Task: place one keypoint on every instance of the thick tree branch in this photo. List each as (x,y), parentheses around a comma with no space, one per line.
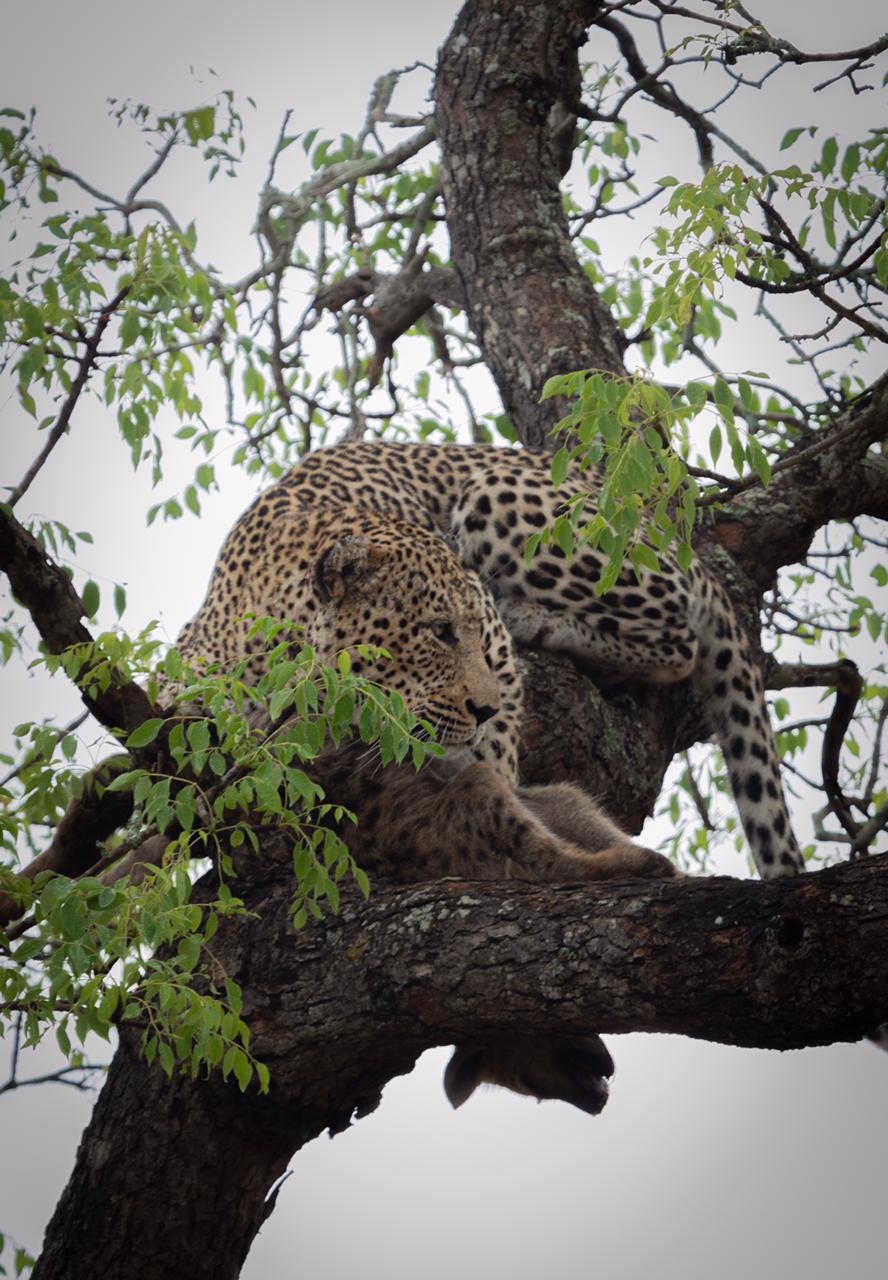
(56,609)
(341,1008)
(90,818)
(833,476)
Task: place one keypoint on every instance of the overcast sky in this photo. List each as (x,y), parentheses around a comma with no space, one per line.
(707,1161)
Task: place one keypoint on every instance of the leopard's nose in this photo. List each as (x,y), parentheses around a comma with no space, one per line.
(481,713)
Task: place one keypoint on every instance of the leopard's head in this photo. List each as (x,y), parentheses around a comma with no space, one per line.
(402,589)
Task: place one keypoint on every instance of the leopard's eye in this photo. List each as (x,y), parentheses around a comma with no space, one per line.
(444,632)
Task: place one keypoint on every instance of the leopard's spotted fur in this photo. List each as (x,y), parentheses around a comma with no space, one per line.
(353,574)
(671,626)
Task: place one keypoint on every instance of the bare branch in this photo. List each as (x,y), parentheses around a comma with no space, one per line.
(849,685)
(85,367)
(876,758)
(802,675)
(80,1077)
(58,735)
(868,832)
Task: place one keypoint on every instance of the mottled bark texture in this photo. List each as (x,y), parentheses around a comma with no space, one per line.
(171,1176)
(502,74)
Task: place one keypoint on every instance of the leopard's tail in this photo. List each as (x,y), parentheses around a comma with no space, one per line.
(732,690)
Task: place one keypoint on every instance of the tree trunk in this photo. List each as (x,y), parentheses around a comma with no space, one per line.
(171,1175)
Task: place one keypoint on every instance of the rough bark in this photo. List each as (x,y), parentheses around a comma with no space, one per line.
(616,742)
(341,1008)
(503,69)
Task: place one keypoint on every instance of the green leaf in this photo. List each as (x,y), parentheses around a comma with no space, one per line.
(828,156)
(32,320)
(362,880)
(644,556)
(90,597)
(167,1059)
(560,464)
(146,732)
(198,735)
(243,1069)
(721,394)
(531,547)
(791,136)
(553,387)
(184,807)
(760,464)
(199,124)
(282,699)
(125,781)
(697,394)
(130,328)
(850,162)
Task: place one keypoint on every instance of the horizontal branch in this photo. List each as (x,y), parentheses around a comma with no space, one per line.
(805,675)
(770,965)
(340,1008)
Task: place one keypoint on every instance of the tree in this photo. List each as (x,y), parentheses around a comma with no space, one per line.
(378,268)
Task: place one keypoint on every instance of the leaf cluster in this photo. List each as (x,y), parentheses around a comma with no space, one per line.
(101,951)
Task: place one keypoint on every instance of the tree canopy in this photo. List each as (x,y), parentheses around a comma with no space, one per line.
(440,273)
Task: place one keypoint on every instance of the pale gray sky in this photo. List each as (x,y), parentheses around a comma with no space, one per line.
(707,1161)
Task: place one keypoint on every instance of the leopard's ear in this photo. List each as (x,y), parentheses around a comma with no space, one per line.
(343,564)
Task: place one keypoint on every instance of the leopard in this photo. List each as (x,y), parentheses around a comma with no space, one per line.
(417,550)
(654,626)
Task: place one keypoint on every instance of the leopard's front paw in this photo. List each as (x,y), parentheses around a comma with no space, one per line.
(653,865)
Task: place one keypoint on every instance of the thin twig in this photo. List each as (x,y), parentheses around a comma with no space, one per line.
(59,735)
